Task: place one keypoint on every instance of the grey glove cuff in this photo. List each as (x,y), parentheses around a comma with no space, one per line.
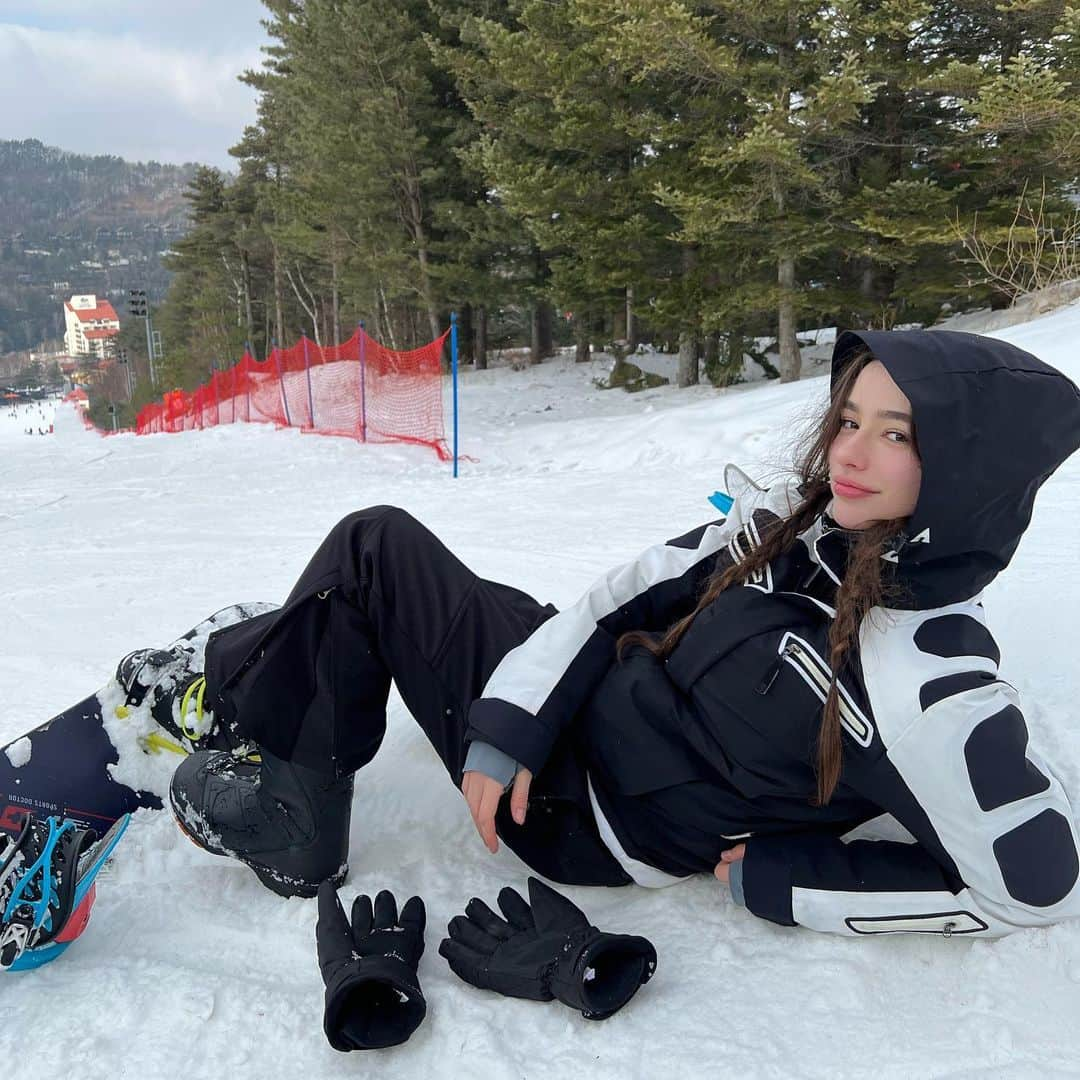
(492,762)
(735,875)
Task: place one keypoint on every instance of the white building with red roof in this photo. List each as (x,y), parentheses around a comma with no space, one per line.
(89,324)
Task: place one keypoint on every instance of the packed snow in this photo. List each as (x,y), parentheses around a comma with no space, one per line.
(190,968)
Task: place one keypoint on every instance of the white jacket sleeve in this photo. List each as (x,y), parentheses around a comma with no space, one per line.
(995,835)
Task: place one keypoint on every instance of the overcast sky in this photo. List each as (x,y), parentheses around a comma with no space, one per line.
(144,79)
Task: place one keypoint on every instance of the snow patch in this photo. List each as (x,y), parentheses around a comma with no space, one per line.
(18,753)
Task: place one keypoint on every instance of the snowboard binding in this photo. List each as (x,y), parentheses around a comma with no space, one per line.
(47,887)
(170,683)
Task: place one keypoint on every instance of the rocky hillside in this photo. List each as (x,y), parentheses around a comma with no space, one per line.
(74,223)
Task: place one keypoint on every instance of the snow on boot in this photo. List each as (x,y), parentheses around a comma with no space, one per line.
(170,680)
(286,822)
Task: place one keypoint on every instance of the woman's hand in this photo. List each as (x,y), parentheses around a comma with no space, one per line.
(723,867)
(483,795)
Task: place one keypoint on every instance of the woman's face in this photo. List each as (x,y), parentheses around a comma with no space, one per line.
(874,471)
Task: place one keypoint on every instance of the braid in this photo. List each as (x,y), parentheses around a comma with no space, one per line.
(777,538)
(862,589)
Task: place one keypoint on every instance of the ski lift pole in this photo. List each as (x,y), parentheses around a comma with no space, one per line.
(150,352)
(363,383)
(453,370)
(307,369)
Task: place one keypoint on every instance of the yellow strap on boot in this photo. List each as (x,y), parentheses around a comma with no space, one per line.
(198,688)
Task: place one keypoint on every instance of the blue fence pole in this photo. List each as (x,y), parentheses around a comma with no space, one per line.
(453,368)
(363,383)
(280,381)
(307,370)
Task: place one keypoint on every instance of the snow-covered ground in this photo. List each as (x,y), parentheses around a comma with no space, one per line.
(190,968)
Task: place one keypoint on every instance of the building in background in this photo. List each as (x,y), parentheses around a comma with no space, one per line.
(89,326)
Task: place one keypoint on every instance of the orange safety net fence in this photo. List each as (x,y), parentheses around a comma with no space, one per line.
(359,388)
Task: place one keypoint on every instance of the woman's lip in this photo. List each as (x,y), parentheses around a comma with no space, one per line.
(849,490)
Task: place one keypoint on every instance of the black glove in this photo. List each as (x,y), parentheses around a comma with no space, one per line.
(547,952)
(373,996)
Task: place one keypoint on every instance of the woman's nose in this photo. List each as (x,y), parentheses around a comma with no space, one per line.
(854,450)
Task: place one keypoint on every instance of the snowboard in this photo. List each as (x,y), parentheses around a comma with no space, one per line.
(46,906)
(104,757)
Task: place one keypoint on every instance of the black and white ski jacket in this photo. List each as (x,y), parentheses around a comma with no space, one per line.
(717,743)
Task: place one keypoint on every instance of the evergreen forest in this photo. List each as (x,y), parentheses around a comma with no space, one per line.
(694,175)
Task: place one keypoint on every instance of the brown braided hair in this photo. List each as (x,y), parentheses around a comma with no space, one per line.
(863,586)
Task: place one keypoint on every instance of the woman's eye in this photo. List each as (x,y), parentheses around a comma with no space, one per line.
(901,437)
(847,420)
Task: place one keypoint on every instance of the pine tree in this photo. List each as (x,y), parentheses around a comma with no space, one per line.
(567,143)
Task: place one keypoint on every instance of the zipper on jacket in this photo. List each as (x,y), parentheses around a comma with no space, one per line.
(769,678)
(809,664)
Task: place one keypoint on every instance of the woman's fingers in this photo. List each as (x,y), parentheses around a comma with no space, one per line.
(483,794)
(519,797)
(489,802)
(723,867)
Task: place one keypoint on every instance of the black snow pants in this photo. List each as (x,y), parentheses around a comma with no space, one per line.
(381,599)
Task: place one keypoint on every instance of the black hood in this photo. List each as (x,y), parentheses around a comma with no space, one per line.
(992,422)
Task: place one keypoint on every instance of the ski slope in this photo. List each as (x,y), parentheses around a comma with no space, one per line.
(192,969)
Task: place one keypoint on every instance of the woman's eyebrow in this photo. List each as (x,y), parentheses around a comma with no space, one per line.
(888,414)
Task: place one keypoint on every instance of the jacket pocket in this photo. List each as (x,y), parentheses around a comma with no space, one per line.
(946,923)
(737,615)
(796,652)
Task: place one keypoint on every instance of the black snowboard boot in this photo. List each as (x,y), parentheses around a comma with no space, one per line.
(288,823)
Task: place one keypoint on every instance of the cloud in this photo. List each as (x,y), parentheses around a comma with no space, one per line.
(119,93)
(220,24)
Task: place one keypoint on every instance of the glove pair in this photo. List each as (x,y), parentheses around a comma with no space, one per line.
(542,950)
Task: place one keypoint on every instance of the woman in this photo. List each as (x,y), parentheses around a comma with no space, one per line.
(732,701)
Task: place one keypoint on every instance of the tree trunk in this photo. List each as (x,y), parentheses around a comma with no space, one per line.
(547,330)
(376,318)
(388,325)
(710,357)
(279,300)
(631,322)
(582,326)
(541,327)
(335,297)
(688,359)
(688,336)
(480,345)
(414,215)
(866,279)
(534,334)
(310,305)
(425,286)
(465,334)
(245,281)
(790,357)
(618,324)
